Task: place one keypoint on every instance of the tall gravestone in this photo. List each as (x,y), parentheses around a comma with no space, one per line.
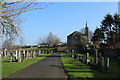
(102,63)
(99,59)
(16,54)
(73,54)
(92,60)
(11,55)
(39,52)
(4,53)
(96,56)
(27,53)
(106,64)
(19,56)
(24,54)
(87,56)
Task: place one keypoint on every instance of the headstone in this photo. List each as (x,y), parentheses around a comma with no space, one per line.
(19,56)
(8,54)
(31,53)
(96,56)
(5,53)
(45,51)
(11,55)
(106,63)
(87,56)
(16,54)
(27,54)
(73,54)
(78,57)
(99,59)
(39,52)
(92,60)
(24,55)
(102,63)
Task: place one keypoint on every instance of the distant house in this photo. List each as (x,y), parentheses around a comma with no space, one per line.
(77,38)
(62,44)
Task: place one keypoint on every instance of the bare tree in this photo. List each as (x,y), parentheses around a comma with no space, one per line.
(41,40)
(10,14)
(82,30)
(7,44)
(90,35)
(51,40)
(22,40)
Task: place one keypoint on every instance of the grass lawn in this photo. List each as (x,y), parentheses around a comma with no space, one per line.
(8,68)
(76,69)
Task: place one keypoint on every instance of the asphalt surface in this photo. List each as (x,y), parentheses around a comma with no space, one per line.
(49,67)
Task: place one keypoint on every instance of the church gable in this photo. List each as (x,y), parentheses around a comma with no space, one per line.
(77,38)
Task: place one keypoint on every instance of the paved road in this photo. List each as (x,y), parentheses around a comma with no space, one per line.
(49,67)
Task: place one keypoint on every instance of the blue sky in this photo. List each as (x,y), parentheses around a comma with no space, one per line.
(62,18)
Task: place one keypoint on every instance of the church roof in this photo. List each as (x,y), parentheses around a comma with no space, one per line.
(75,33)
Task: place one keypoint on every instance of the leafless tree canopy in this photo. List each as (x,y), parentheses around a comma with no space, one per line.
(51,39)
(90,35)
(7,44)
(82,30)
(21,40)
(11,11)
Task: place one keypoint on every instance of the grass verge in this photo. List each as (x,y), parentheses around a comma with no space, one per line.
(8,68)
(76,69)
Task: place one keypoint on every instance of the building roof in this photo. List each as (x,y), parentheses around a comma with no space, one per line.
(75,33)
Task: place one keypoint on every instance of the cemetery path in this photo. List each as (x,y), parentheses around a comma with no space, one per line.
(49,67)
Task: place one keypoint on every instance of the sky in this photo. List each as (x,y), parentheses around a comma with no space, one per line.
(63,18)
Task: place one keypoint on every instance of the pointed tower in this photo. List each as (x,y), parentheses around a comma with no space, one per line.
(86,30)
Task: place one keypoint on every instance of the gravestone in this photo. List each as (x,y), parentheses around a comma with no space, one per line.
(96,56)
(102,63)
(24,54)
(87,56)
(11,55)
(5,53)
(78,57)
(99,59)
(33,53)
(19,56)
(27,53)
(39,52)
(106,64)
(92,60)
(16,54)
(73,54)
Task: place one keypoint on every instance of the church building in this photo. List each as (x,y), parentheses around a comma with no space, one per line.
(77,38)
